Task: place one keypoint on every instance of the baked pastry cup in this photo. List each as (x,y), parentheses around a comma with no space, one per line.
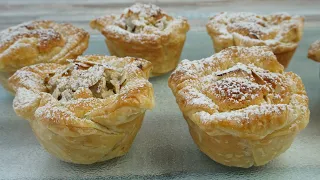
(280,32)
(314,51)
(87,111)
(38,42)
(242,109)
(145,31)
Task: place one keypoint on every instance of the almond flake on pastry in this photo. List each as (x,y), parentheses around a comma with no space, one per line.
(281,32)
(88,110)
(241,107)
(38,42)
(145,31)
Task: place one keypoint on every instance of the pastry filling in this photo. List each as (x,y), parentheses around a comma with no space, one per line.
(143,18)
(85,79)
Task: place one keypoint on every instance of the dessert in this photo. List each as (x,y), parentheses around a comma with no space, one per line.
(88,110)
(147,32)
(281,32)
(242,109)
(38,42)
(314,51)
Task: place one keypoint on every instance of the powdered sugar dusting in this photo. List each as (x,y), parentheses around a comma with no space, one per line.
(143,18)
(237,89)
(26,99)
(238,66)
(244,114)
(195,97)
(143,9)
(79,87)
(314,51)
(29,79)
(141,22)
(119,32)
(190,68)
(236,92)
(80,78)
(28,29)
(55,114)
(267,29)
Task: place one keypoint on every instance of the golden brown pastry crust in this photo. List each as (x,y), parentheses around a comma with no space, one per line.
(241,107)
(39,42)
(281,32)
(147,32)
(88,110)
(314,51)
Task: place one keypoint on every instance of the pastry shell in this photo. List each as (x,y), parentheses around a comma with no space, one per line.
(242,109)
(281,32)
(86,128)
(38,42)
(314,51)
(162,48)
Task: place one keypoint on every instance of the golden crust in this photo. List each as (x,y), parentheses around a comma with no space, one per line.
(39,42)
(150,42)
(314,51)
(281,32)
(84,126)
(240,95)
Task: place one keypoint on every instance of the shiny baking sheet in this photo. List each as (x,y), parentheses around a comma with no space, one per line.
(163,148)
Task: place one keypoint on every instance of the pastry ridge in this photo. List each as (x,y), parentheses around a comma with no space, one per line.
(240,94)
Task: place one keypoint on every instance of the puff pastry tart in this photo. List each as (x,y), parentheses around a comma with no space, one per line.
(314,51)
(147,32)
(242,109)
(38,42)
(281,32)
(87,111)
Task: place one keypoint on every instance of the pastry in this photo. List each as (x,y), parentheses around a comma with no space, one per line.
(38,42)
(242,109)
(88,110)
(281,32)
(145,31)
(314,51)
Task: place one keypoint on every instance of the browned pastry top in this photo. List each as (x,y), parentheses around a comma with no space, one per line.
(141,22)
(87,88)
(277,31)
(314,51)
(39,41)
(240,91)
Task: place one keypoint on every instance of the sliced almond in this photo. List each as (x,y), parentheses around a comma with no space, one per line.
(123,78)
(56,93)
(257,78)
(66,95)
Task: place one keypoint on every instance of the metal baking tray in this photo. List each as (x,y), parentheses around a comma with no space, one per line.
(163,148)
